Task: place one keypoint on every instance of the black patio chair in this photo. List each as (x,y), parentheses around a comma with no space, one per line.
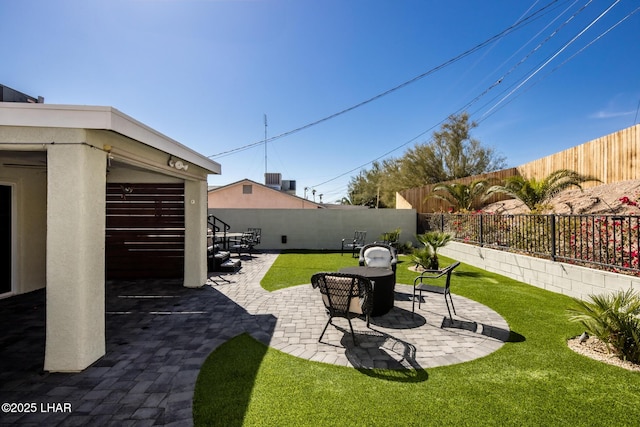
(355,244)
(419,286)
(245,244)
(391,238)
(257,234)
(344,295)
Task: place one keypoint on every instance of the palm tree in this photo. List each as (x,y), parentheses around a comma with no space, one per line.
(461,195)
(534,193)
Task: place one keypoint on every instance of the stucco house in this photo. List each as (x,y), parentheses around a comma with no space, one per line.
(248,194)
(84,189)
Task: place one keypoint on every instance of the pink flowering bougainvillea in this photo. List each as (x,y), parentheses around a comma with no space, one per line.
(602,241)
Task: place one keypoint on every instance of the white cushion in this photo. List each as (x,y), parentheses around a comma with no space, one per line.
(377,257)
(354,303)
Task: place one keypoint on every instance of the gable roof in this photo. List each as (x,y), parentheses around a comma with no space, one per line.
(213,189)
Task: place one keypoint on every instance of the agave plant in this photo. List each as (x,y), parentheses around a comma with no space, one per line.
(427,256)
(614,319)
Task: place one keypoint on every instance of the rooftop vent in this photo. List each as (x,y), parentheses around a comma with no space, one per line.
(273,180)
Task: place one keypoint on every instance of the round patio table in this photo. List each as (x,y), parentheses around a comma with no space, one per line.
(383,284)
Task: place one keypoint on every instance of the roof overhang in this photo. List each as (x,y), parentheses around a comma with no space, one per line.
(100,118)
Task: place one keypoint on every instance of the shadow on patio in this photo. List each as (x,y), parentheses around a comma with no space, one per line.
(158,334)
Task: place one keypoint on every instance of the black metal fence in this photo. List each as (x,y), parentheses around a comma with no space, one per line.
(608,242)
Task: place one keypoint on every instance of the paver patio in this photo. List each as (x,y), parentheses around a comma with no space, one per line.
(159,334)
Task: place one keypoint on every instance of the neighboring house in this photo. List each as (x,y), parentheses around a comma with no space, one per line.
(11,95)
(84,192)
(248,194)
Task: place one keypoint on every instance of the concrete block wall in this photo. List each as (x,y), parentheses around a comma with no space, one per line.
(559,277)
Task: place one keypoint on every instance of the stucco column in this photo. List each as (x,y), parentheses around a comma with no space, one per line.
(195,235)
(76,182)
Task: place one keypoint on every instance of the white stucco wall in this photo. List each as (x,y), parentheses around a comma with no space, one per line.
(567,279)
(318,228)
(59,236)
(30,222)
(75,257)
(195,237)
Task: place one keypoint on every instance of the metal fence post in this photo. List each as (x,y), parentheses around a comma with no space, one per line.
(553,237)
(481,230)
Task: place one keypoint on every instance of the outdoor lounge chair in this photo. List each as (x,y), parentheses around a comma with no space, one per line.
(356,244)
(378,255)
(419,286)
(344,295)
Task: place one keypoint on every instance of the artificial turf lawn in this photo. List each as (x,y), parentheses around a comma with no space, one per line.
(296,267)
(532,380)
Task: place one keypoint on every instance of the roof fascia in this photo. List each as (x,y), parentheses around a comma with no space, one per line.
(101,118)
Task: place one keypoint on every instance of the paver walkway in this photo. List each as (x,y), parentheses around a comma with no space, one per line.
(159,333)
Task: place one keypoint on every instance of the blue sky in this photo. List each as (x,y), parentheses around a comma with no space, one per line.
(205,72)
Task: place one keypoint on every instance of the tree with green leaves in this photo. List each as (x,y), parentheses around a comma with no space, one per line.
(364,189)
(461,196)
(452,153)
(534,193)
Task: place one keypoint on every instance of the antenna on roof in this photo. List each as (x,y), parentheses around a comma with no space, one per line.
(265,144)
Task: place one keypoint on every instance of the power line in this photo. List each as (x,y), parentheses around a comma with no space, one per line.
(510,71)
(527,56)
(562,64)
(570,42)
(445,64)
(458,111)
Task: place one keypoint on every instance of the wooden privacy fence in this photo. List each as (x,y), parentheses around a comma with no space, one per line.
(420,200)
(611,158)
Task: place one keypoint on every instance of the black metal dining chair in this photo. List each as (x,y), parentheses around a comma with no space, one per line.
(445,290)
(355,244)
(344,295)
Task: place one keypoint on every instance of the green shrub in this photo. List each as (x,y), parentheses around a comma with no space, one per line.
(422,257)
(428,255)
(614,319)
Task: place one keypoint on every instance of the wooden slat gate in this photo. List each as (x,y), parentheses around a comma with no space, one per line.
(144,231)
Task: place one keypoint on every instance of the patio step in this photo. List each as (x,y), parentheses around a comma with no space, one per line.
(230,265)
(217,258)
